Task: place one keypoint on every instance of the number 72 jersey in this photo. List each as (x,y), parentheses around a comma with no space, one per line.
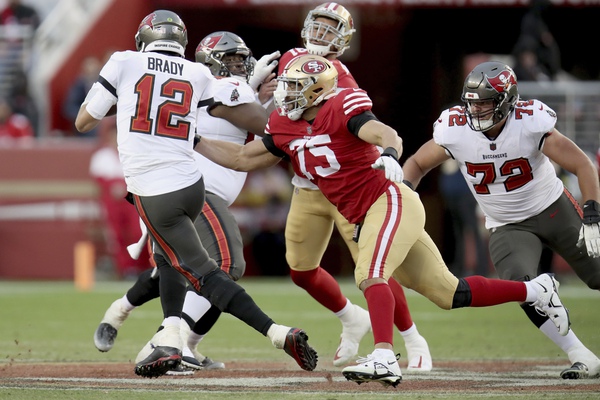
(509,176)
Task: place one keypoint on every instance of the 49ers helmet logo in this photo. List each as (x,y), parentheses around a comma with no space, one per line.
(503,81)
(313,67)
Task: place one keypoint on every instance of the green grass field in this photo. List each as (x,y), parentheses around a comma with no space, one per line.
(47,322)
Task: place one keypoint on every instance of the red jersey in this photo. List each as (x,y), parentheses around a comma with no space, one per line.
(345,78)
(330,156)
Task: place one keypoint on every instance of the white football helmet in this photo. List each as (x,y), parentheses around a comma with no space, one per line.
(211,50)
(162,30)
(315,33)
(306,81)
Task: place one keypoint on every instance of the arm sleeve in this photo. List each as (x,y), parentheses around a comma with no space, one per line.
(357,121)
(270,145)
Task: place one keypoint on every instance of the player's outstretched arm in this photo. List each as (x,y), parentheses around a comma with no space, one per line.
(429,156)
(248,157)
(249,116)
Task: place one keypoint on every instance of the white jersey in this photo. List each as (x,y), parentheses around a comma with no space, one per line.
(224,182)
(157,98)
(510,177)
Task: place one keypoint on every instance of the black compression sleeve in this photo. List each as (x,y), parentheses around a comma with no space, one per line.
(270,145)
(356,122)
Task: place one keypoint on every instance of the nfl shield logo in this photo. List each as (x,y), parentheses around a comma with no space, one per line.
(492,146)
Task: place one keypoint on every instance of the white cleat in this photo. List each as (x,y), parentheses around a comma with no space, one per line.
(419,358)
(548,303)
(106,333)
(375,369)
(352,334)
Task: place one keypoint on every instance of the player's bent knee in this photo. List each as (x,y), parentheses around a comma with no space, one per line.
(219,289)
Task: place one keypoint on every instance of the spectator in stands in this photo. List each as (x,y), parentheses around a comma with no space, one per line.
(546,49)
(22,101)
(16,12)
(90,68)
(14,127)
(527,65)
(120,217)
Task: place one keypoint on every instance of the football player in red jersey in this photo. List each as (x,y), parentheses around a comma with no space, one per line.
(504,147)
(331,137)
(327,32)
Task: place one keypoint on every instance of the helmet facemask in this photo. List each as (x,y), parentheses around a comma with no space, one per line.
(306,82)
(318,31)
(214,48)
(492,83)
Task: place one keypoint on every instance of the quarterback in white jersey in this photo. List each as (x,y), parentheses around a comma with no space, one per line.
(156,118)
(504,148)
(157,94)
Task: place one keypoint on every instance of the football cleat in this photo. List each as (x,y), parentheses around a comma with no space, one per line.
(352,334)
(159,362)
(180,370)
(374,369)
(576,371)
(106,333)
(548,303)
(419,357)
(296,346)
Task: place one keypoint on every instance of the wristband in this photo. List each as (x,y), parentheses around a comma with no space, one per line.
(197,140)
(591,212)
(390,152)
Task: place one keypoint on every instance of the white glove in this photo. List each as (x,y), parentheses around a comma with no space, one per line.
(263,68)
(393,170)
(590,229)
(590,235)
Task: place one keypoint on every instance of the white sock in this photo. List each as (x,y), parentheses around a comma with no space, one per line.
(564,342)
(532,292)
(126,304)
(171,321)
(194,339)
(410,332)
(386,354)
(195,306)
(277,334)
(344,314)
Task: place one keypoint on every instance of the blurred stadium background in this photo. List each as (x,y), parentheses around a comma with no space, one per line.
(410,55)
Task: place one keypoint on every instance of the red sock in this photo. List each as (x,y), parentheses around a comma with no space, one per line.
(322,287)
(402,318)
(490,292)
(380,301)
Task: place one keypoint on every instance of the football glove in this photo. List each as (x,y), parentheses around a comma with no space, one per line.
(589,234)
(388,162)
(263,68)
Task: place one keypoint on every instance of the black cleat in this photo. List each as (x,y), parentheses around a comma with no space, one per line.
(161,360)
(576,371)
(296,346)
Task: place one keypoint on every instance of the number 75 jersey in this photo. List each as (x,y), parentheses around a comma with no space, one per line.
(509,176)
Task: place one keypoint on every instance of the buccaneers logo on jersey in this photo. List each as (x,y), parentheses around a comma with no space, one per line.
(313,67)
(503,81)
